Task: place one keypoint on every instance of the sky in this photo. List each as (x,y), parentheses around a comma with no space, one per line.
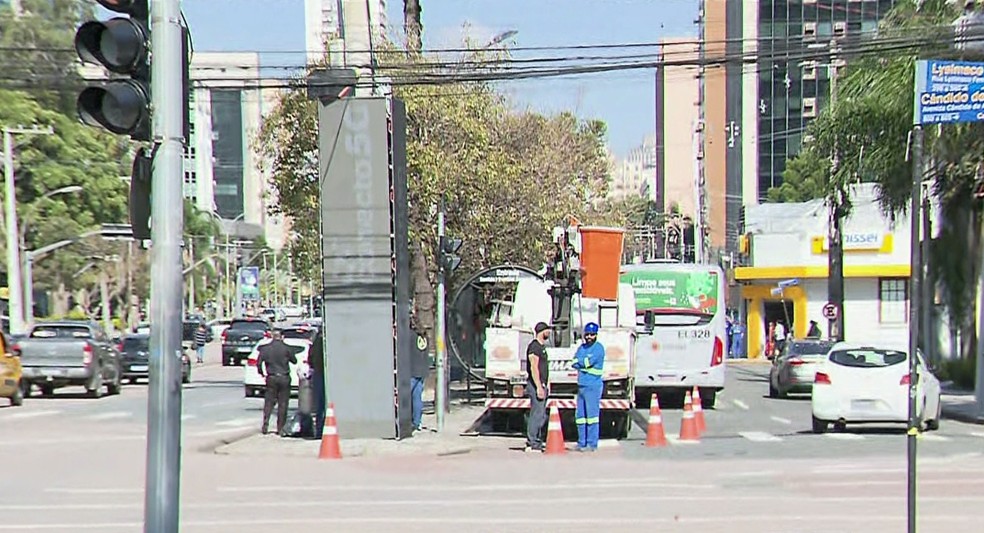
(624,100)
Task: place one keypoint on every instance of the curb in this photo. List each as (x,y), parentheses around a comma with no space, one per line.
(960,416)
(214,445)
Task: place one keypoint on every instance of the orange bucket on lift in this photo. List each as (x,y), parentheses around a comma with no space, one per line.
(601,261)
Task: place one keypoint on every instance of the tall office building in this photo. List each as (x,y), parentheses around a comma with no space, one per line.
(789,92)
(672,184)
(222,171)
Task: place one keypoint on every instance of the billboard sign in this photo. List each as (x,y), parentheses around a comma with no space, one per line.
(249,283)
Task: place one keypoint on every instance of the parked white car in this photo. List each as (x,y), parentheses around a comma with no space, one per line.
(860,383)
(254,384)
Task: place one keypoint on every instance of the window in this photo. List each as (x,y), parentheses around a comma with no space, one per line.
(809,30)
(810,70)
(840,29)
(893,300)
(809,107)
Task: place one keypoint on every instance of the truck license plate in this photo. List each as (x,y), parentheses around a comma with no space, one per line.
(139,368)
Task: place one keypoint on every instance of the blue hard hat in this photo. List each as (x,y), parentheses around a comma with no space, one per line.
(590,328)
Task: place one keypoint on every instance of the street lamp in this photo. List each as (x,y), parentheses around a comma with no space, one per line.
(25,258)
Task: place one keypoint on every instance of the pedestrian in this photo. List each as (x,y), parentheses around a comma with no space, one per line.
(419,367)
(589,360)
(814,332)
(274,363)
(316,360)
(201,337)
(537,386)
(737,336)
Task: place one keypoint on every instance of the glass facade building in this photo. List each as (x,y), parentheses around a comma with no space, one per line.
(791,91)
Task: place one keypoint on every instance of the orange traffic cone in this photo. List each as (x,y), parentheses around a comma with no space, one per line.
(655,436)
(688,428)
(555,433)
(330,448)
(699,412)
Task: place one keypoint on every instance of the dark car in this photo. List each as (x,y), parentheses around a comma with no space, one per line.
(794,369)
(135,359)
(241,336)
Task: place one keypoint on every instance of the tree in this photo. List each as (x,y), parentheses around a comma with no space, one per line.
(75,155)
(37,50)
(873,113)
(805,178)
(506,177)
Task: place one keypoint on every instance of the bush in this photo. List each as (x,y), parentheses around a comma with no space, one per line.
(962,372)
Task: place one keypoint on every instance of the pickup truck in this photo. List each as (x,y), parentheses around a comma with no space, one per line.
(60,354)
(239,339)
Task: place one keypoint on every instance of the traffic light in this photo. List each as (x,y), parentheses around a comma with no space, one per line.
(449,250)
(121,45)
(140,180)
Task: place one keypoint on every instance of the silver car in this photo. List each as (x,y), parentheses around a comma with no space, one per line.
(795,368)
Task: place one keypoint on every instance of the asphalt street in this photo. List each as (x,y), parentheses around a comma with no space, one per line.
(75,464)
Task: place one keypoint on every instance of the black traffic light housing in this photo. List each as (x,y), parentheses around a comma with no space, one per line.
(140,186)
(449,250)
(122,46)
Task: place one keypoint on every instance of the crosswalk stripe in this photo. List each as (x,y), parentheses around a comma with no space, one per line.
(675,439)
(188,417)
(844,436)
(110,415)
(608,443)
(740,404)
(933,438)
(33,414)
(977,434)
(238,422)
(759,436)
(781,420)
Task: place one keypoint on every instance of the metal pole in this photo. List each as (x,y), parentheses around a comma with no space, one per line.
(914,306)
(162,495)
(929,339)
(276,284)
(700,246)
(104,299)
(441,399)
(835,235)
(979,378)
(28,288)
(15,285)
(191,277)
(228,283)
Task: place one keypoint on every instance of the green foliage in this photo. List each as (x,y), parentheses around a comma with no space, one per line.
(75,155)
(36,49)
(962,372)
(805,178)
(507,177)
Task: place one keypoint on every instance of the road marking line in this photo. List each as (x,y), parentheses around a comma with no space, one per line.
(843,436)
(33,414)
(781,420)
(467,488)
(675,439)
(608,443)
(188,417)
(740,404)
(237,422)
(759,436)
(933,437)
(65,490)
(110,415)
(977,434)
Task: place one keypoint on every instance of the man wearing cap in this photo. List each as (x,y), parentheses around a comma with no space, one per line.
(589,360)
(538,374)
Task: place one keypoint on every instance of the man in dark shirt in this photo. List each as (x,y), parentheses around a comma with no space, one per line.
(537,381)
(316,360)
(419,368)
(274,363)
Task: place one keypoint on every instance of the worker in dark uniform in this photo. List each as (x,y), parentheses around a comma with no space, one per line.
(274,363)
(537,386)
(419,368)
(316,360)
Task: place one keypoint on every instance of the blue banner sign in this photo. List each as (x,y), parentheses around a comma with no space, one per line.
(948,92)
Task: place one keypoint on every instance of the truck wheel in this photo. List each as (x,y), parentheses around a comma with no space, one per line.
(25,387)
(17,399)
(707,399)
(47,390)
(623,425)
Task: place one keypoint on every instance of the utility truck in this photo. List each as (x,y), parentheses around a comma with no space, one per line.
(581,285)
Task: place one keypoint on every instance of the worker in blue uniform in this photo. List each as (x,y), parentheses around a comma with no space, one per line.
(589,360)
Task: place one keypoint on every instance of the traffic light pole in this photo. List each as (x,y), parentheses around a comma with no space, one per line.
(441,399)
(162,496)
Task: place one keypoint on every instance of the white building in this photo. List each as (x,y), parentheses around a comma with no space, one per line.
(222,171)
(632,174)
(788,242)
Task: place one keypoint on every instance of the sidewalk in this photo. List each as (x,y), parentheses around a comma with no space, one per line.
(959,404)
(426,442)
